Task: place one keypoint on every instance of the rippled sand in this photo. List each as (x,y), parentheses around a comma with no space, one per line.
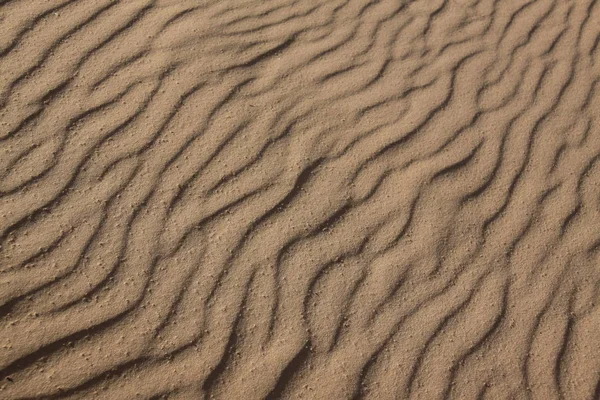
(317,199)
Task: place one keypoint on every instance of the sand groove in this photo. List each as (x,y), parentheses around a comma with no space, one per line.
(299,199)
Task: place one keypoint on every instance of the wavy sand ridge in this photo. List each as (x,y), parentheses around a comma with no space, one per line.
(299,199)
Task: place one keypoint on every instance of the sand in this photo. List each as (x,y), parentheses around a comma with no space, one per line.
(309,199)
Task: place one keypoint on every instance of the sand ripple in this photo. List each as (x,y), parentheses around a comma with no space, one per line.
(325,199)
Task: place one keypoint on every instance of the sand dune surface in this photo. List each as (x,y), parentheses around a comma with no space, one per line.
(299,199)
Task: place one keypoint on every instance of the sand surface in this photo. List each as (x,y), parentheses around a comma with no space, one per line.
(299,199)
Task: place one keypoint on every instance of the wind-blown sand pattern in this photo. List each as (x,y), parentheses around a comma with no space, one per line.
(318,199)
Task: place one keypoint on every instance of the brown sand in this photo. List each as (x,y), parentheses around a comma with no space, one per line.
(317,199)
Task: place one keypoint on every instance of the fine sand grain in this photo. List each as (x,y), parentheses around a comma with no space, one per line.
(286,199)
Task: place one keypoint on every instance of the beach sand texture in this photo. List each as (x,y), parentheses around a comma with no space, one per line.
(299,199)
